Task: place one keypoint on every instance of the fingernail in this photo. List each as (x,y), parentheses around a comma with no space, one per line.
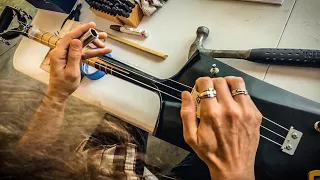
(93,23)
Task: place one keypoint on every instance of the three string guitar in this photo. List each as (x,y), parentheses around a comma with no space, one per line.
(114,69)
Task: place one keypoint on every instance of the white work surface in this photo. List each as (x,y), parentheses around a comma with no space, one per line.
(232,24)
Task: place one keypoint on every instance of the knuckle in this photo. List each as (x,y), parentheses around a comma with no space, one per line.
(229,78)
(74,54)
(234,80)
(248,115)
(234,113)
(67,36)
(238,80)
(185,113)
(212,115)
(71,76)
(259,117)
(219,80)
(52,53)
(203,80)
(188,139)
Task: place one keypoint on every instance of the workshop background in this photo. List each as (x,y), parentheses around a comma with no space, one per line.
(21,95)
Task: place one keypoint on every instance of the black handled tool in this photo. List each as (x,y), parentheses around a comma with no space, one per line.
(291,57)
(299,57)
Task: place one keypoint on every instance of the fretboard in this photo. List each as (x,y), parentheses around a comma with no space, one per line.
(44,38)
(50,40)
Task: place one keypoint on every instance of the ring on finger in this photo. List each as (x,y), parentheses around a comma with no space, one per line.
(208,93)
(239,91)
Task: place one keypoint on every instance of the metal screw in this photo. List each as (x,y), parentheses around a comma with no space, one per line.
(289,147)
(294,135)
(214,69)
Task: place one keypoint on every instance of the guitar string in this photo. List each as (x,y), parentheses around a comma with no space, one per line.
(276,124)
(170,88)
(272,131)
(168,79)
(40,39)
(270,140)
(107,68)
(181,91)
(53,45)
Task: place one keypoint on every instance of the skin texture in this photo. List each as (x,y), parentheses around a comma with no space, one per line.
(65,78)
(227,137)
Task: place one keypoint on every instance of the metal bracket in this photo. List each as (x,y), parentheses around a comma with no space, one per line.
(291,142)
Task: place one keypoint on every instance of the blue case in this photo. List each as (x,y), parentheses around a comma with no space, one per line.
(91,72)
(64,6)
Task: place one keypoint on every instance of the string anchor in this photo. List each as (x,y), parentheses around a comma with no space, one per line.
(291,142)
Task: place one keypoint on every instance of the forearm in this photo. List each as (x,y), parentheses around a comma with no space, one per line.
(46,123)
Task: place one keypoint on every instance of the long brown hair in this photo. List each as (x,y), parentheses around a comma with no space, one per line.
(58,160)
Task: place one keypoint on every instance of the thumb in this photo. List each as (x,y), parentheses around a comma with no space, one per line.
(74,56)
(189,120)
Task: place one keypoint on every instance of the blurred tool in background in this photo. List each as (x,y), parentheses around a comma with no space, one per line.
(113,7)
(150,6)
(54,5)
(124,7)
(134,31)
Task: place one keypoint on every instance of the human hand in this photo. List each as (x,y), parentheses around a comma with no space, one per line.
(65,61)
(227,136)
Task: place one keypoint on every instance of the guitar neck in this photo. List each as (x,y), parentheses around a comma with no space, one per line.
(51,40)
(45,38)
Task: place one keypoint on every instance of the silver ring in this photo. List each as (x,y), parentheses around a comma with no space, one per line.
(239,91)
(208,93)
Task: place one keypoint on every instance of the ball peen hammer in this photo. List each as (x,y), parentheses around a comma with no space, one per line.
(292,57)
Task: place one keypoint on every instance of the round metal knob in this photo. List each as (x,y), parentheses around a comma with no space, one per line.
(214,70)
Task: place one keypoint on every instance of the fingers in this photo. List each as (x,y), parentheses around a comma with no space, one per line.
(74,56)
(243,100)
(223,91)
(238,83)
(75,34)
(98,42)
(202,84)
(95,52)
(103,35)
(57,59)
(189,120)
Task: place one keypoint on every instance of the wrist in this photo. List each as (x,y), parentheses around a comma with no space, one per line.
(231,175)
(56,95)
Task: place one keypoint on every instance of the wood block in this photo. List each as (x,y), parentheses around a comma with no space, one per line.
(135,17)
(106,16)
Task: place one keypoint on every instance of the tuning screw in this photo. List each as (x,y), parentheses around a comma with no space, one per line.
(289,147)
(214,70)
(294,135)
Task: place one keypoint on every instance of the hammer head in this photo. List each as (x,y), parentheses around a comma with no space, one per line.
(202,34)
